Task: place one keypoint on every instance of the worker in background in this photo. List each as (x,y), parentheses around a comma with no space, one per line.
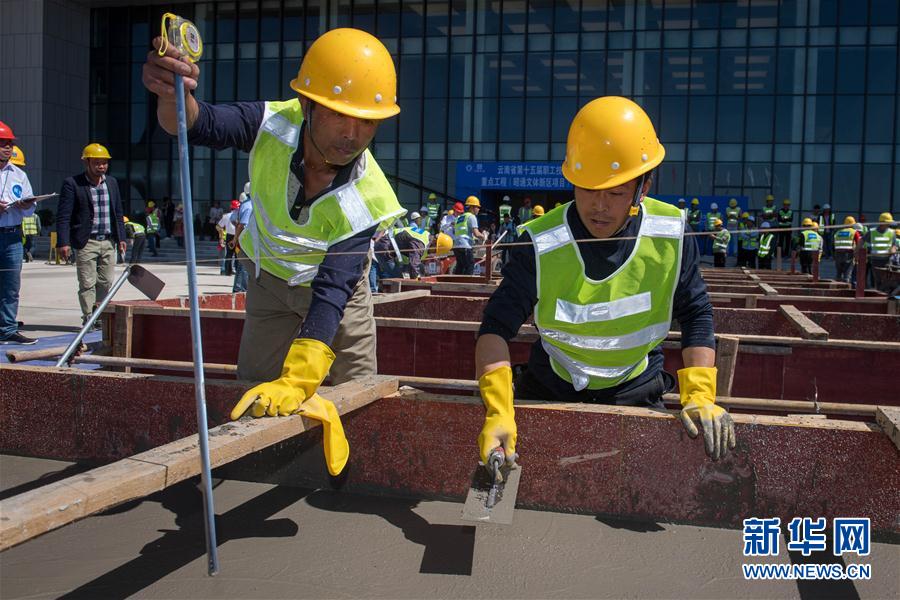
(309,306)
(742,227)
(137,233)
(31,224)
(15,189)
(695,217)
(768,212)
(732,222)
(240,218)
(505,209)
(89,219)
(721,238)
(466,235)
(508,228)
(448,221)
(417,219)
(766,246)
(816,214)
(537,211)
(433,207)
(152,227)
(826,229)
(711,217)
(682,206)
(785,221)
(807,244)
(525,211)
(584,293)
(881,243)
(845,241)
(751,240)
(225,231)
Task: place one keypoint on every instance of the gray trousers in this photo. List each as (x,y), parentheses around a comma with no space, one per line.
(95,266)
(275,313)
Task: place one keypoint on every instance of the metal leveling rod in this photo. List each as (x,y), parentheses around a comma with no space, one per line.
(184,35)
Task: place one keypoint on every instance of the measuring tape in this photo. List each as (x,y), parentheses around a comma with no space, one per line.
(183,35)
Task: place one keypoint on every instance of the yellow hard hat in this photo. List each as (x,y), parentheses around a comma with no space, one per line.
(732,203)
(432,196)
(611,141)
(18,157)
(473,201)
(815,225)
(351,72)
(849,220)
(95,150)
(717,222)
(807,222)
(770,197)
(151,204)
(786,201)
(538,211)
(745,214)
(695,202)
(885,217)
(125,219)
(444,244)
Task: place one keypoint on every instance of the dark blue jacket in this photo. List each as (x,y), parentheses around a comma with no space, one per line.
(75,212)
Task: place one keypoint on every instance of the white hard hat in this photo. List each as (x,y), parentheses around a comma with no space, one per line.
(750,218)
(414,216)
(765,225)
(826,207)
(506,198)
(247,188)
(243,197)
(714,206)
(423,210)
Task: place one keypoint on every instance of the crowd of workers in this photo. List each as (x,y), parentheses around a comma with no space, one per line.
(317,204)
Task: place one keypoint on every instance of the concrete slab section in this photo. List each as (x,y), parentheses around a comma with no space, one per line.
(282,542)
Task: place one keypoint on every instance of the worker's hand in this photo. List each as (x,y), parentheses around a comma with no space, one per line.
(499,427)
(231,244)
(294,392)
(698,401)
(123,246)
(64,252)
(159,71)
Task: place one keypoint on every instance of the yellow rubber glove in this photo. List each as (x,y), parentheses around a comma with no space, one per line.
(499,419)
(698,401)
(305,367)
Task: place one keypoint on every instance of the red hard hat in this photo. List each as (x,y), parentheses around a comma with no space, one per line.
(458,207)
(6,132)
(235,204)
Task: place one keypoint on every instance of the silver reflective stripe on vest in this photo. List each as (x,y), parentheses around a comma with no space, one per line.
(286,236)
(355,209)
(581,373)
(568,312)
(282,128)
(302,273)
(659,226)
(552,239)
(641,337)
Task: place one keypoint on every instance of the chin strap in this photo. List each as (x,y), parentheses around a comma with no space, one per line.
(635,202)
(309,120)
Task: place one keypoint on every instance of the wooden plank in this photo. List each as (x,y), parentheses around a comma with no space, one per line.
(767,289)
(808,329)
(38,511)
(753,277)
(726,358)
(888,417)
(124,334)
(750,301)
(385,298)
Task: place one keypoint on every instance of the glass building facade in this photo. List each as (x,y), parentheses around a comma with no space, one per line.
(798,98)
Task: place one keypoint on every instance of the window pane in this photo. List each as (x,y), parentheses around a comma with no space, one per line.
(850,114)
(791,70)
(436,66)
(851,71)
(673,122)
(512,74)
(702,121)
(760,117)
(565,74)
(539,67)
(435,120)
(789,119)
(819,112)
(511,120)
(879,111)
(882,70)
(730,119)
(820,71)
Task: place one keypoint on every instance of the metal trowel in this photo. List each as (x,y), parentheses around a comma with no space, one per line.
(492,495)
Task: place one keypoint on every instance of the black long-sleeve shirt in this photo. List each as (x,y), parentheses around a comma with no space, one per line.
(514,300)
(236,125)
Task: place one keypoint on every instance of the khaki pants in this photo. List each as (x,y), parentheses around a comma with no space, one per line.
(95,267)
(275,313)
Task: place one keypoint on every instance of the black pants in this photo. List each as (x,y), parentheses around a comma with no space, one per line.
(719,259)
(229,255)
(843,264)
(137,248)
(465,261)
(878,262)
(527,387)
(806,260)
(750,259)
(766,263)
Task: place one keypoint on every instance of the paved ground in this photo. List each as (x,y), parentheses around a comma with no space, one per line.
(281,542)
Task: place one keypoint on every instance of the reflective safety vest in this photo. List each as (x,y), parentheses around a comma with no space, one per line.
(785,217)
(812,241)
(461,227)
(284,247)
(152,223)
(505,209)
(765,244)
(768,213)
(416,234)
(524,214)
(711,219)
(29,225)
(598,333)
(750,237)
(880,243)
(434,211)
(694,218)
(843,239)
(136,228)
(721,241)
(733,215)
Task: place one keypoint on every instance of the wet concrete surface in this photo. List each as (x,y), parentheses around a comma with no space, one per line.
(282,542)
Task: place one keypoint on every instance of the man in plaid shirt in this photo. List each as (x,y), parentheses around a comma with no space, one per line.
(90,220)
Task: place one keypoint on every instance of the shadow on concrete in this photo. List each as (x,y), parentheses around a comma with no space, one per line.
(820,589)
(45,479)
(630,525)
(179,547)
(449,549)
